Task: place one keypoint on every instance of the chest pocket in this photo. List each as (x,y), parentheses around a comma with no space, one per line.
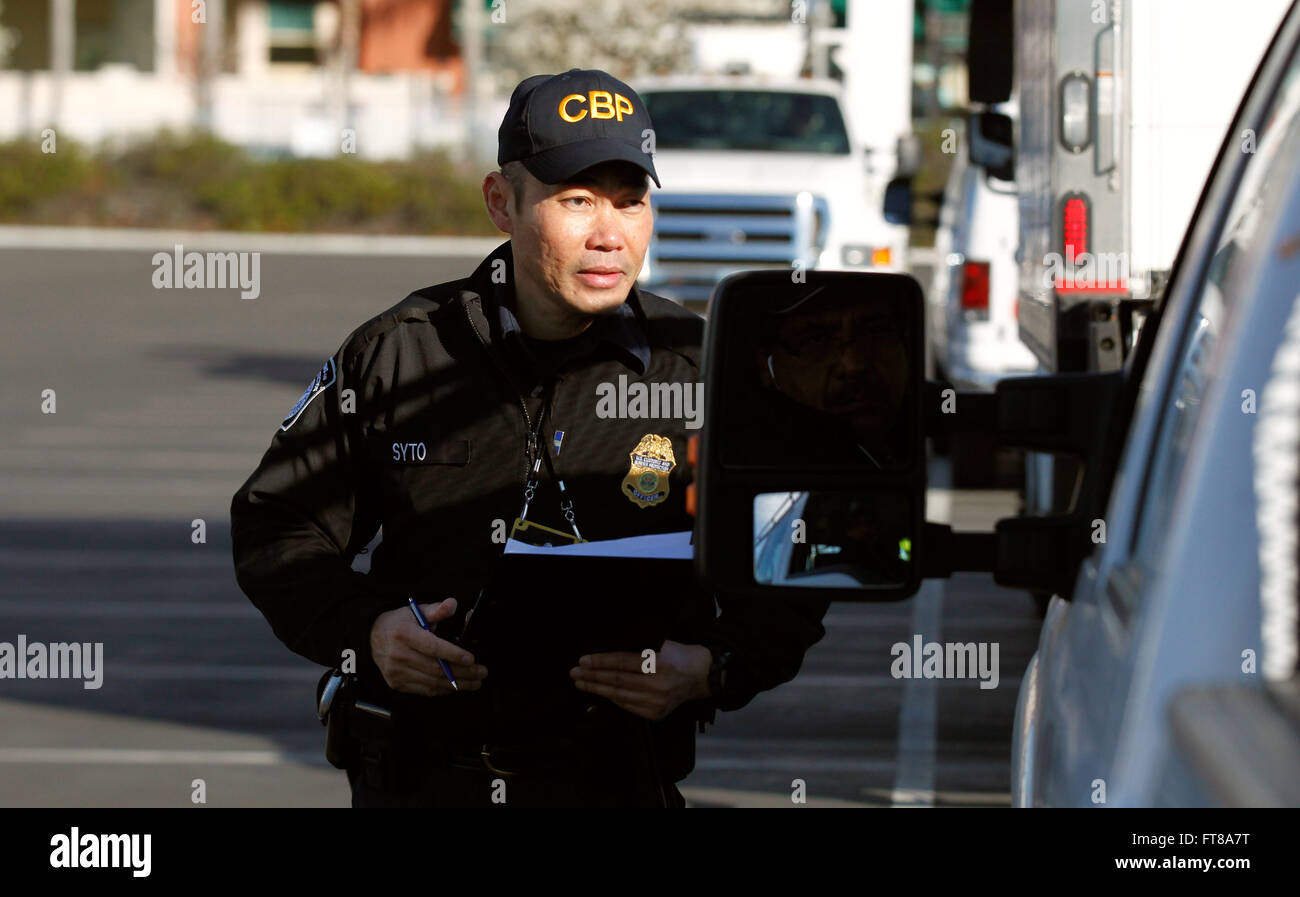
(410,451)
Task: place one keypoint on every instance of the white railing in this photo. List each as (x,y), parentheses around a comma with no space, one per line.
(297,112)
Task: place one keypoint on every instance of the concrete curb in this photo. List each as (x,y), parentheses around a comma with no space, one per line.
(149,240)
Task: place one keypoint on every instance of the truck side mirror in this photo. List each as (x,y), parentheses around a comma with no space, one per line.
(812,466)
(990,57)
(992,144)
(898,201)
(909,154)
(812,469)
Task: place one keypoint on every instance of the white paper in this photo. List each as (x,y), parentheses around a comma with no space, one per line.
(667,546)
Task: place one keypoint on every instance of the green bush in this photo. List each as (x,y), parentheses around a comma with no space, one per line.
(198,181)
(29,177)
(180,158)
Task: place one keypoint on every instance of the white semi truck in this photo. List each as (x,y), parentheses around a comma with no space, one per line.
(773,170)
(1123,106)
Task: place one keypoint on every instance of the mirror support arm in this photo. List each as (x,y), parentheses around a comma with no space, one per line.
(948,552)
(950,411)
(1060,413)
(1041,552)
(1070,413)
(1024,552)
(1067,413)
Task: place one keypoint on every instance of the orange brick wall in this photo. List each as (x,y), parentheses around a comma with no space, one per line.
(409,35)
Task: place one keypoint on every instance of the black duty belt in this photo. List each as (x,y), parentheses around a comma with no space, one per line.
(362,731)
(578,744)
(533,757)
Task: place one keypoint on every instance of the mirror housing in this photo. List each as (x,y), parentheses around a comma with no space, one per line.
(812,385)
(990,57)
(817,413)
(898,201)
(991,144)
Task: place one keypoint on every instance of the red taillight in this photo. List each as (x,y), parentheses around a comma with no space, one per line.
(975,286)
(1074,226)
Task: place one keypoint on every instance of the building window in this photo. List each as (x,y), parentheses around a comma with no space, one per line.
(293,37)
(114,32)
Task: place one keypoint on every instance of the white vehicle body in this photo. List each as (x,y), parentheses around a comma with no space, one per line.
(1123,107)
(1180,110)
(1193,591)
(732,204)
(1155,84)
(974,334)
(724,210)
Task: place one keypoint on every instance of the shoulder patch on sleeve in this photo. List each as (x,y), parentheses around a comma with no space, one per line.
(324,377)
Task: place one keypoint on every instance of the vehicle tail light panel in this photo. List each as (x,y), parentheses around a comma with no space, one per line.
(975,289)
(1075,213)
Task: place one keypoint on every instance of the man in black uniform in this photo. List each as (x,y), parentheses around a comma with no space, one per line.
(513,399)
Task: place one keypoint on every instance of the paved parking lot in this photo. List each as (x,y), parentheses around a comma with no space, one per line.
(166,400)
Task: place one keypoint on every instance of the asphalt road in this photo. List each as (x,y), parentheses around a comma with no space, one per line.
(164,402)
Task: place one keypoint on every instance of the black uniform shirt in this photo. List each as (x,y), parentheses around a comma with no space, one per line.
(539,359)
(419,424)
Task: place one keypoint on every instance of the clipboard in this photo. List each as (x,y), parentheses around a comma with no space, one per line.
(541,612)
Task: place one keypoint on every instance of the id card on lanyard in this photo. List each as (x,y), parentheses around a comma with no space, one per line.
(532,533)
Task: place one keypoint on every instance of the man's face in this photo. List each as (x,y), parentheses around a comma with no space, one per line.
(579,245)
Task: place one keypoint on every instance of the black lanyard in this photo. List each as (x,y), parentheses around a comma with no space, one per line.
(535,465)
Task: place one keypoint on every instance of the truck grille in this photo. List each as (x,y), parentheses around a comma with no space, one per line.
(701,238)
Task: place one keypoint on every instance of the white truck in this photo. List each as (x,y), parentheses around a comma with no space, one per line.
(1123,106)
(767,171)
(1167,671)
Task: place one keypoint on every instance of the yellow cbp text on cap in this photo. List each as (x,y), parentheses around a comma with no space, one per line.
(602,104)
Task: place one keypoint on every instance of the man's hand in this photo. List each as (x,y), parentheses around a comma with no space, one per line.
(408,656)
(681,673)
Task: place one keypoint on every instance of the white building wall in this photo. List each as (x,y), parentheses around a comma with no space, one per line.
(393,115)
(252,38)
(164,38)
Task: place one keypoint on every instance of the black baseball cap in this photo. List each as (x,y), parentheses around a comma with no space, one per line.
(557,125)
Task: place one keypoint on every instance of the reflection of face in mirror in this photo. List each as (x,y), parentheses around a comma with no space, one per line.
(832,540)
(835,367)
(843,359)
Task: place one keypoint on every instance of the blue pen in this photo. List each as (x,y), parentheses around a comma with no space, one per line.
(424,624)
